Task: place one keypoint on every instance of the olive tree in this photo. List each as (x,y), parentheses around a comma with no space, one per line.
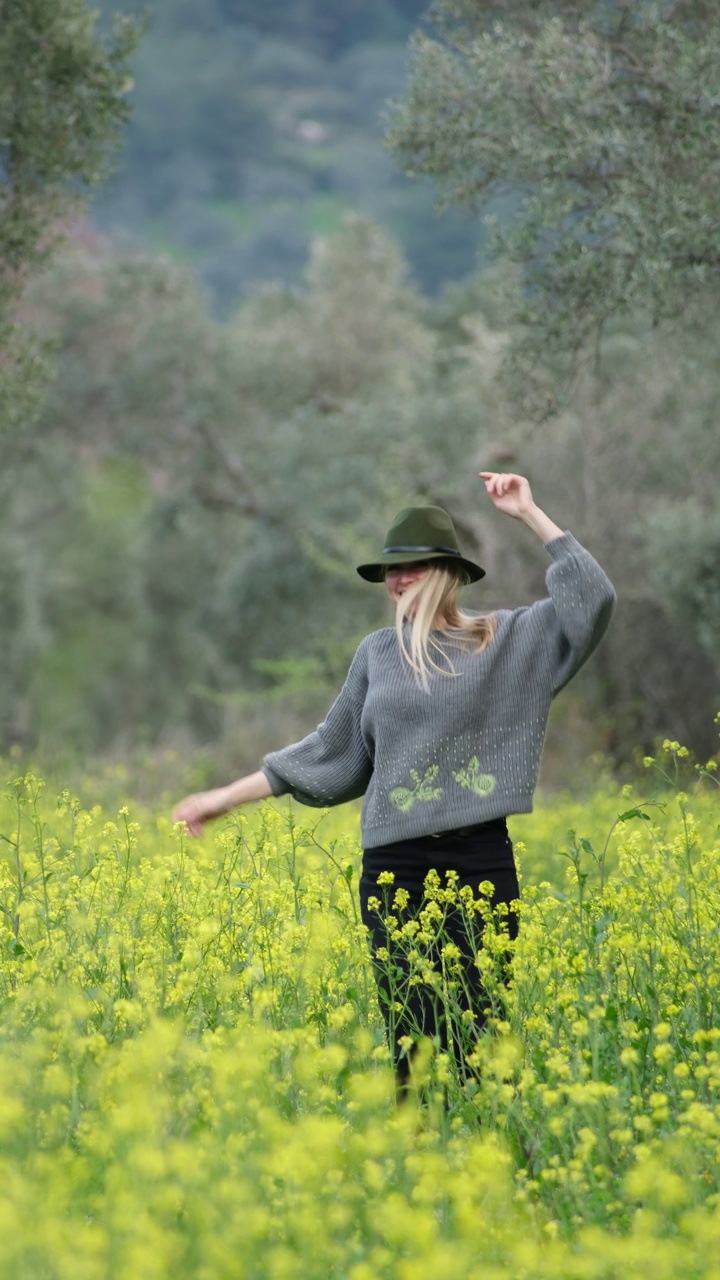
(63,100)
(602,120)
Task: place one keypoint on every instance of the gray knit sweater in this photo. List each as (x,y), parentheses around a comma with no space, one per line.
(469,750)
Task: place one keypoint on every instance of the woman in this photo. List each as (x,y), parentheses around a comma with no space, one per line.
(440,725)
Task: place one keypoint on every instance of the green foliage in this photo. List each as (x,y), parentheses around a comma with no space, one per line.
(684,548)
(255,126)
(206,485)
(604,118)
(63,98)
(180,527)
(323,23)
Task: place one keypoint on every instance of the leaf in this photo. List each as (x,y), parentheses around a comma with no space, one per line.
(483,784)
(429,793)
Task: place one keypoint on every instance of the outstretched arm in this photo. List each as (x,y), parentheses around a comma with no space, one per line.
(512,494)
(328,767)
(200,808)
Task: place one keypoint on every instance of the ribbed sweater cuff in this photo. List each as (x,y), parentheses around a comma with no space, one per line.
(559,547)
(278,785)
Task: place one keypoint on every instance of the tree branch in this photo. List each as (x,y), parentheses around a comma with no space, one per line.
(244,500)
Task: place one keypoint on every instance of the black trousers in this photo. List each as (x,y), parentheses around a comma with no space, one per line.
(411,1006)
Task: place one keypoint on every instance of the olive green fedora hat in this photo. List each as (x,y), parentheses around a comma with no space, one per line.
(418,534)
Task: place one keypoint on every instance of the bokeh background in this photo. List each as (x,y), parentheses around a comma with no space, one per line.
(257,341)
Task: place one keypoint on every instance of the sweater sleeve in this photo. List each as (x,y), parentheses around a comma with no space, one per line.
(332,764)
(577,612)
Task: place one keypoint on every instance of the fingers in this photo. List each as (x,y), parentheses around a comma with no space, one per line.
(189,813)
(501,482)
(194,828)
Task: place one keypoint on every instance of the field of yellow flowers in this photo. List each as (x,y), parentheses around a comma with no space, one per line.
(194,1082)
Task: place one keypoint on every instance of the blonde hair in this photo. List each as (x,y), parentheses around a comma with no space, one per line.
(434,597)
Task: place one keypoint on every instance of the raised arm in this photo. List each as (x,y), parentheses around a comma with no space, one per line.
(576,614)
(512,494)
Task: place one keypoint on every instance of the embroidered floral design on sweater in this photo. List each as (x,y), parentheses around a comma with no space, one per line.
(483,784)
(404,797)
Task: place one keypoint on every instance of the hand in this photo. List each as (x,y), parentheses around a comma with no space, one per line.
(196,810)
(509,493)
(200,808)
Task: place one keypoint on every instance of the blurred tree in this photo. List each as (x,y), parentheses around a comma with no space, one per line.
(181,525)
(198,117)
(204,483)
(317,25)
(605,118)
(62,102)
(325,23)
(256,125)
(634,463)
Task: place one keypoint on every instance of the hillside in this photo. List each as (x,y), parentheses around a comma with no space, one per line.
(255,126)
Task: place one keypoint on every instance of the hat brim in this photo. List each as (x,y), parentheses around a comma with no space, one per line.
(375,572)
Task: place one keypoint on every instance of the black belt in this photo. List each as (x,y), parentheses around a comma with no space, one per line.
(466,831)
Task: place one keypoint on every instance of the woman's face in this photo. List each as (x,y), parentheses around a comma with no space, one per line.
(401,576)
